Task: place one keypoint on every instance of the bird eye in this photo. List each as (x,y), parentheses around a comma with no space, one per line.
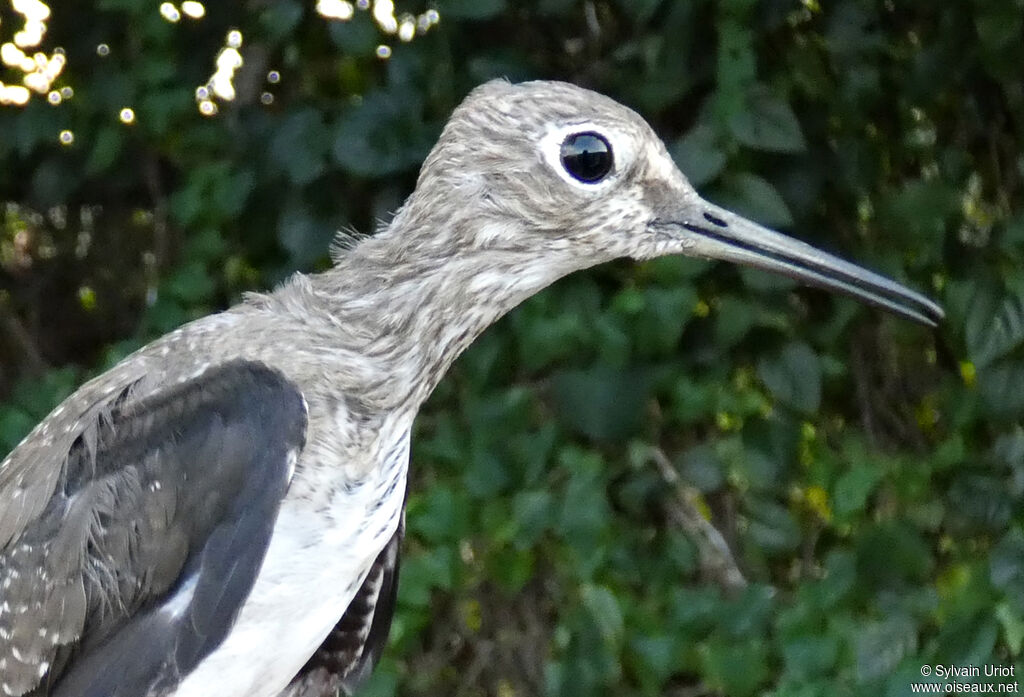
(587,157)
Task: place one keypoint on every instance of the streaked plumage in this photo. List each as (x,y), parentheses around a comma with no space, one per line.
(122,513)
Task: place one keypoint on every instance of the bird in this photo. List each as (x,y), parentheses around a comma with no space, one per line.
(221,512)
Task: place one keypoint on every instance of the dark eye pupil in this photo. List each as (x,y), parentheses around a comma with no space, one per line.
(587,157)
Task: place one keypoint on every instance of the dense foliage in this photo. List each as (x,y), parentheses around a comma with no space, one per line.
(867,475)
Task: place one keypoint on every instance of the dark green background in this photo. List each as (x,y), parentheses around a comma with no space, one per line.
(868,474)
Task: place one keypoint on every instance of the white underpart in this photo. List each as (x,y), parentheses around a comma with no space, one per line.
(318,558)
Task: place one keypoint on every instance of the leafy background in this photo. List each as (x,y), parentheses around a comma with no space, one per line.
(671,478)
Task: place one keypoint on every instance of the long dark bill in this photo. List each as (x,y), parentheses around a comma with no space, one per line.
(719,234)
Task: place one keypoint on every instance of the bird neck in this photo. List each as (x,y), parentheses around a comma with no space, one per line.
(411,306)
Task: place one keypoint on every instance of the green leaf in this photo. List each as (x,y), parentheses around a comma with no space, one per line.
(736,68)
(918,214)
(698,155)
(759,280)
(734,317)
(748,614)
(880,646)
(604,610)
(305,238)
(752,196)
(357,37)
(772,527)
(106,147)
(675,269)
(510,568)
(999,333)
(191,284)
(299,146)
(384,134)
(793,377)
(768,123)
(700,467)
(893,553)
(1012,623)
(735,669)
(640,11)
(14,425)
(439,515)
(423,572)
(657,656)
(810,656)
(981,501)
(533,512)
(1006,567)
(853,488)
(584,514)
(658,327)
(470,9)
(280,17)
(1002,390)
(602,403)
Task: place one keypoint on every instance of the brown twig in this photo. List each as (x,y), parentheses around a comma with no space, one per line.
(717,563)
(23,341)
(860,381)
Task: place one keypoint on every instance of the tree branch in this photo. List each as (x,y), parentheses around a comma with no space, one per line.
(717,563)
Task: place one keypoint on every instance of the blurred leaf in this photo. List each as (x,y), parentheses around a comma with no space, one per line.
(772,527)
(1007,567)
(919,213)
(736,669)
(768,123)
(700,468)
(190,284)
(601,403)
(534,513)
(639,11)
(734,317)
(439,515)
(604,609)
(383,134)
(105,149)
(736,68)
(358,36)
(698,155)
(665,314)
(470,9)
(882,645)
(305,238)
(14,425)
(853,488)
(299,147)
(996,334)
(892,552)
(1002,389)
(754,198)
(280,17)
(511,568)
(657,658)
(793,377)
(1013,627)
(809,656)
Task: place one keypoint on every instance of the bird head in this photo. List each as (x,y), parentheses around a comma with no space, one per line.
(551,172)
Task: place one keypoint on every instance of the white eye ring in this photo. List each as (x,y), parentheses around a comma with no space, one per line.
(621,147)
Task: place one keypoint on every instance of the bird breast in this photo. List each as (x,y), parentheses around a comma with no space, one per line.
(332,525)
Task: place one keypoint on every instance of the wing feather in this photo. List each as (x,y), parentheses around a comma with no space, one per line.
(138,563)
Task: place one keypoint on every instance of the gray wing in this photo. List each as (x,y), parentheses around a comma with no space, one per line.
(352,649)
(139,562)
